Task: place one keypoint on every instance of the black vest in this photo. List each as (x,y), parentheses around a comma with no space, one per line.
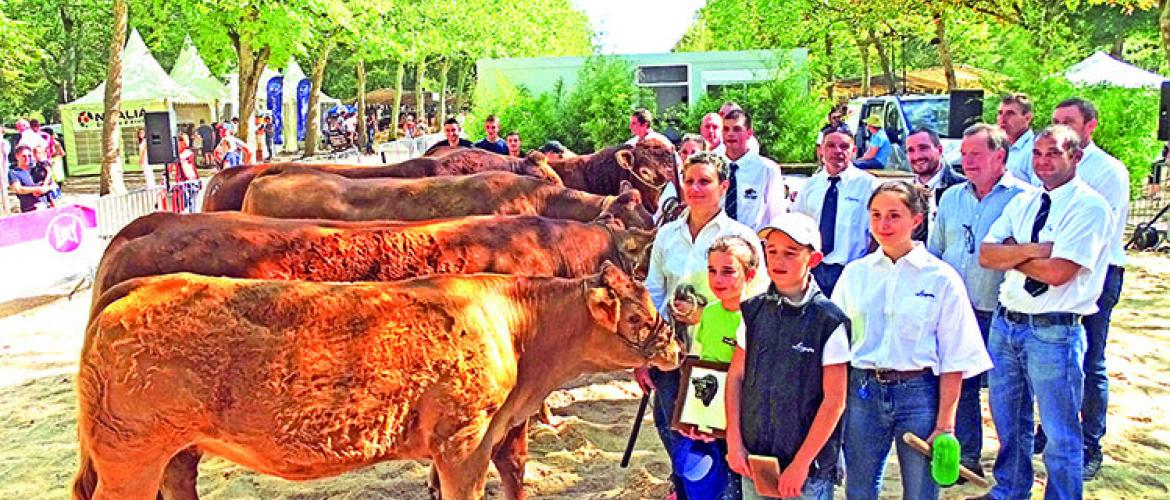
(782,386)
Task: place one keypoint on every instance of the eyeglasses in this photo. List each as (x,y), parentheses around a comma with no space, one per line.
(969,238)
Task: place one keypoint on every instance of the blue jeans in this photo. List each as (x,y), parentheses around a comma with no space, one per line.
(969,417)
(1045,361)
(231,159)
(1096,401)
(814,489)
(665,391)
(827,276)
(872,422)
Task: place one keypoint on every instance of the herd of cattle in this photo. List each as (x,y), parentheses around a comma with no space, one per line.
(327,317)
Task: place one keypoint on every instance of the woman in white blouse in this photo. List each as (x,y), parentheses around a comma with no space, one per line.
(679,256)
(914,340)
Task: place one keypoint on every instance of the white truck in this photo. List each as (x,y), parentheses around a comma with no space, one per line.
(902,114)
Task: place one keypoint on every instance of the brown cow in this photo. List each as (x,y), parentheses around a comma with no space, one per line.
(225,190)
(238,245)
(312,194)
(647,166)
(308,380)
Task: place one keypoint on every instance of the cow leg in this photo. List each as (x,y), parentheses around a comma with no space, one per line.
(181,474)
(123,480)
(510,456)
(463,480)
(434,487)
(546,417)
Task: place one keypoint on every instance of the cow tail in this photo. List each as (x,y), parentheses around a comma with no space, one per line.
(86,480)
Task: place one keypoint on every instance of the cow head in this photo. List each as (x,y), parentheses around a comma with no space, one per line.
(649,162)
(632,332)
(627,207)
(536,165)
(634,245)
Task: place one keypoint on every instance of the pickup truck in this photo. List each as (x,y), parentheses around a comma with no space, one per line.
(901,115)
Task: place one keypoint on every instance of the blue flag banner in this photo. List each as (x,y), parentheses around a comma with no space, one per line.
(275,105)
(302,107)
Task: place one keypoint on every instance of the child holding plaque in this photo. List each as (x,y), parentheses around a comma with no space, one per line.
(788,378)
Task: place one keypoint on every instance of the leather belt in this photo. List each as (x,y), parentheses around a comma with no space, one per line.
(887,376)
(1041,319)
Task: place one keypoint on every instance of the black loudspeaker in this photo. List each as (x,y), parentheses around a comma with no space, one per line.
(966,110)
(160,138)
(1164,113)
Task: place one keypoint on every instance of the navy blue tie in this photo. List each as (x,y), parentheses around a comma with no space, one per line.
(1034,287)
(828,224)
(731,201)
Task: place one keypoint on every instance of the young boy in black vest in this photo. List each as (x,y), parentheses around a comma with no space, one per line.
(788,379)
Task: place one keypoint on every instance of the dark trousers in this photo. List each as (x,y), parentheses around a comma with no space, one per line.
(1096,401)
(969,417)
(665,392)
(826,276)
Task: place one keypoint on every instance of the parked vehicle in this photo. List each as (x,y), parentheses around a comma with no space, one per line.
(902,114)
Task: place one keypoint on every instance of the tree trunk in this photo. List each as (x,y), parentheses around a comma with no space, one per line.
(111,181)
(394,113)
(863,47)
(444,68)
(885,60)
(361,105)
(829,61)
(313,119)
(68,68)
(1164,28)
(420,99)
(944,50)
(461,90)
(252,63)
(1118,48)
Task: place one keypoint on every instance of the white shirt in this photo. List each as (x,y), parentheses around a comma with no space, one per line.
(649,135)
(836,349)
(1079,224)
(910,315)
(759,190)
(851,232)
(1110,179)
(677,259)
(1019,159)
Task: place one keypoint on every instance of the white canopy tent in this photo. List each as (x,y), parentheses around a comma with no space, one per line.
(1102,69)
(145,87)
(192,73)
(293,75)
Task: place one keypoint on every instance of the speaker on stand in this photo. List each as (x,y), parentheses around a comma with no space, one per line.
(966,109)
(160,142)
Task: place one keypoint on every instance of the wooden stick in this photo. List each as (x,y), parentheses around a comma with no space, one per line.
(634,432)
(917,444)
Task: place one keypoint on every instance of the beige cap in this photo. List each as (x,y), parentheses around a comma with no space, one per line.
(801,228)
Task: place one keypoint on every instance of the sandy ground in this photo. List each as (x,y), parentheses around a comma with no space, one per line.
(40,338)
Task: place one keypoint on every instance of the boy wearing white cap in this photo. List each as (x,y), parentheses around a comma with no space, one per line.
(788,379)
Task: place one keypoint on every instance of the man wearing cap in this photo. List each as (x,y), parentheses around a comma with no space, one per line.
(1053,245)
(791,410)
(836,198)
(554,150)
(878,147)
(965,215)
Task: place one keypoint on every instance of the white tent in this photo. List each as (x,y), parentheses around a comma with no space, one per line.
(1102,69)
(192,73)
(146,87)
(293,74)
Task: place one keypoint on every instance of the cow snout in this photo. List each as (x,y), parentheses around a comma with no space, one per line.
(669,357)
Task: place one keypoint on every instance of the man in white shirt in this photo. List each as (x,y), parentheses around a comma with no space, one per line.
(757,193)
(1052,245)
(711,128)
(1110,179)
(924,150)
(837,197)
(1015,118)
(753,144)
(641,125)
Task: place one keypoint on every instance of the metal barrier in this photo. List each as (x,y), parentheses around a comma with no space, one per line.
(116,211)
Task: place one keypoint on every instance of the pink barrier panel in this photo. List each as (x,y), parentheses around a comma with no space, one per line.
(63,228)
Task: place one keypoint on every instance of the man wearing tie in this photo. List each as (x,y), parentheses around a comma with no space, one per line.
(837,197)
(756,193)
(1053,246)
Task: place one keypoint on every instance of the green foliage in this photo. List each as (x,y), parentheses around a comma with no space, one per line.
(1128,119)
(785,115)
(594,115)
